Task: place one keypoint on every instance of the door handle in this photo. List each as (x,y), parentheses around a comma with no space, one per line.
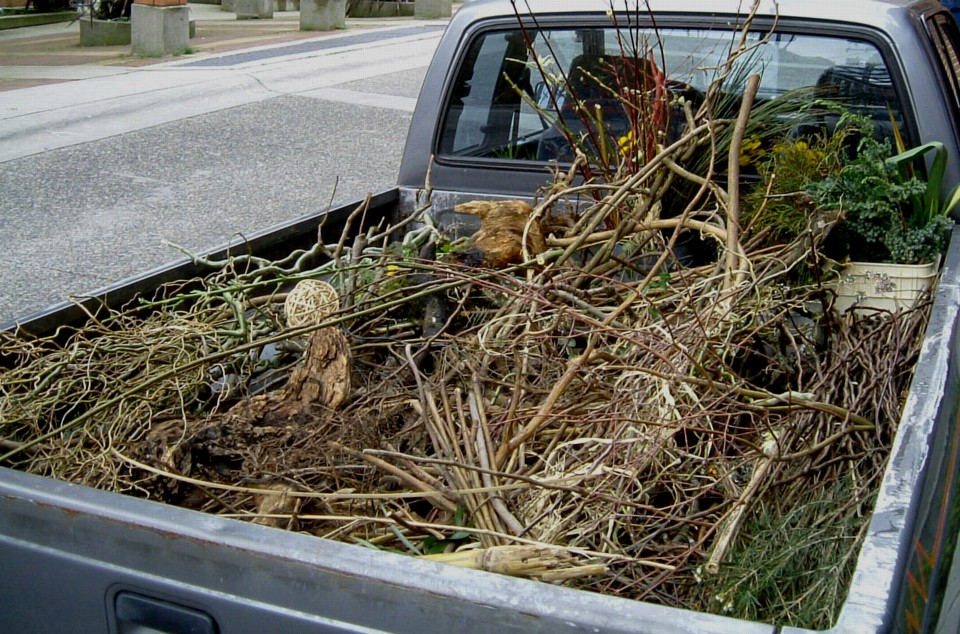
(139,614)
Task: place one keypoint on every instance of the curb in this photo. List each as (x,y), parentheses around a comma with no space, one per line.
(36,19)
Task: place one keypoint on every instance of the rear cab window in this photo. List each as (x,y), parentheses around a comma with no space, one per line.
(518,88)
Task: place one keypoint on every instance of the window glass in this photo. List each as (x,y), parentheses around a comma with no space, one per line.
(516,90)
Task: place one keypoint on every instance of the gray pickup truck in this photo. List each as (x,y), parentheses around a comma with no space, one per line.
(76,559)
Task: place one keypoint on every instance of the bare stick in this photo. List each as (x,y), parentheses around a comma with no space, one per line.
(437,500)
(480,419)
(731,525)
(735,259)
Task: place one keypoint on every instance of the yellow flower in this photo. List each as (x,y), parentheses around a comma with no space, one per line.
(750,150)
(800,150)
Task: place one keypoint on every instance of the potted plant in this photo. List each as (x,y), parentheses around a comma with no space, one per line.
(892,225)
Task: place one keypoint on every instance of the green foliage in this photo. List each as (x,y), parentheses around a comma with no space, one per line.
(771,122)
(111,9)
(662,281)
(890,214)
(926,206)
(806,550)
(780,203)
(433,545)
(458,245)
(916,245)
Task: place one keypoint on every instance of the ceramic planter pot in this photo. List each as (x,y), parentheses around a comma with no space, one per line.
(878,285)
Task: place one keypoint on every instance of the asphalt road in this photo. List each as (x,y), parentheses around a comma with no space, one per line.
(97,174)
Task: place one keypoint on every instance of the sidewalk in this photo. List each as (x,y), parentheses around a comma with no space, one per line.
(105,158)
(38,55)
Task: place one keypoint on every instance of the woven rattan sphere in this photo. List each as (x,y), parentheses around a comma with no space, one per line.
(310,302)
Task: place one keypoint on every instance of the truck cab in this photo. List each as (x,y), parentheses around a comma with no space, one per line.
(488,123)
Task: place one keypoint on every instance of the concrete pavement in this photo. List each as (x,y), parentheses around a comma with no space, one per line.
(51,53)
(105,160)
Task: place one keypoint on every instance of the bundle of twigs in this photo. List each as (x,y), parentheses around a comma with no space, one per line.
(643,421)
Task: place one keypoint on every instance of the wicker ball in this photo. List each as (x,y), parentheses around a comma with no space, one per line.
(310,302)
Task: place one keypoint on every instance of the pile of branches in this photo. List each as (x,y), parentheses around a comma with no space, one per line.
(558,396)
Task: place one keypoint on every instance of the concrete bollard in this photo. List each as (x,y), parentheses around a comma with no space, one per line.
(323,15)
(159,27)
(432,9)
(253,9)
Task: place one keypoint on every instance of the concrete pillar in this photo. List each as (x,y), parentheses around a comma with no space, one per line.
(161,28)
(323,15)
(253,9)
(432,9)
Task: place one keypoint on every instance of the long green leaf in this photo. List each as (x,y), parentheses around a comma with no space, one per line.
(952,200)
(928,207)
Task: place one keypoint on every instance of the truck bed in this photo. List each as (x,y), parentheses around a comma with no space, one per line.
(117,563)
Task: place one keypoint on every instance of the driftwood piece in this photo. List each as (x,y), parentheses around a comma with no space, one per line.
(506,227)
(322,379)
(221,442)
